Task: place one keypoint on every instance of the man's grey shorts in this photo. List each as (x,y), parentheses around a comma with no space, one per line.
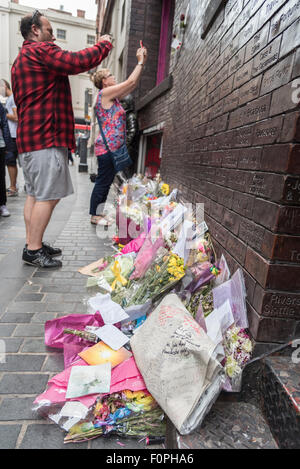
(46,173)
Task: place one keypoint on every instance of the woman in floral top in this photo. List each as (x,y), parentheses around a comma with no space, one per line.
(113,120)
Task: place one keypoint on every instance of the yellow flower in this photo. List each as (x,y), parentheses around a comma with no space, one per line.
(165,188)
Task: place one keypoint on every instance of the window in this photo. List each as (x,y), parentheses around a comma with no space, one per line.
(90,39)
(167,16)
(61,34)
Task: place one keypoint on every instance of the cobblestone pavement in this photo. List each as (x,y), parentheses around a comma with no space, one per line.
(31,296)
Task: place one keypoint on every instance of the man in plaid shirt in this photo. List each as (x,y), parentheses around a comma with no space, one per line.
(46,125)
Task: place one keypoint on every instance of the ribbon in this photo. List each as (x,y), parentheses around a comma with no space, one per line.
(116,270)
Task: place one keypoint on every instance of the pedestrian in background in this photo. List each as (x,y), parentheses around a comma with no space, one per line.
(112,116)
(46,125)
(5,144)
(11,158)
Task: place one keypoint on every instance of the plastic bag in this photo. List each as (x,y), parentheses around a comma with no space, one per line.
(233,290)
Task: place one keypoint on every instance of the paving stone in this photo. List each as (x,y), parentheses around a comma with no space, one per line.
(20,362)
(34,346)
(29,297)
(42,317)
(16,318)
(60,307)
(17,408)
(6,330)
(54,362)
(56,288)
(21,307)
(47,436)
(23,383)
(29,330)
(12,345)
(9,436)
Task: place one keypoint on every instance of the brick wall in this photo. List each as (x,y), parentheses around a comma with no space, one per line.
(144,24)
(232,141)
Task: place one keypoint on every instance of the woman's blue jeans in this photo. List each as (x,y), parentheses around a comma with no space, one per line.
(104,179)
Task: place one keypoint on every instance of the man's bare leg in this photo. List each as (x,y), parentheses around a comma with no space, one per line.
(37,216)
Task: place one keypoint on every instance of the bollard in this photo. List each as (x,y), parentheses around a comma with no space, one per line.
(83,167)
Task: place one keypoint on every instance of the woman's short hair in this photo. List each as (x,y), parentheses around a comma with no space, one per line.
(28,21)
(98,77)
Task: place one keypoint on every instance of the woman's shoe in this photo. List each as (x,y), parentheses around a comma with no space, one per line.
(98,220)
(12,193)
(4,211)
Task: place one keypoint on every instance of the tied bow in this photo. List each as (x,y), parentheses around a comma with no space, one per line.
(116,270)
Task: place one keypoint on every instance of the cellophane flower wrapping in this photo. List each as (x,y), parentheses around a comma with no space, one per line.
(128,414)
(238,350)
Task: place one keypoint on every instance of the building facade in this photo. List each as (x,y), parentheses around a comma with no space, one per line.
(220,97)
(72,33)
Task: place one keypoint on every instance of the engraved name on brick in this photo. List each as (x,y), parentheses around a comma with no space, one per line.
(267,57)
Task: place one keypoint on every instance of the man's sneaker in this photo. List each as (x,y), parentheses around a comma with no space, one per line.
(52,252)
(40,259)
(4,212)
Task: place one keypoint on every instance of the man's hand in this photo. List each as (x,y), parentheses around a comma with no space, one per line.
(106,37)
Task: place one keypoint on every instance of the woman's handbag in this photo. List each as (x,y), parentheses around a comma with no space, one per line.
(120,158)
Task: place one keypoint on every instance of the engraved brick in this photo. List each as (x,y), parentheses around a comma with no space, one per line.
(278,75)
(291,38)
(296,70)
(231,221)
(283,277)
(277,304)
(287,248)
(266,185)
(286,16)
(268,329)
(288,220)
(243,137)
(281,158)
(291,193)
(257,266)
(283,100)
(266,213)
(267,57)
(249,158)
(226,87)
(251,234)
(257,43)
(269,8)
(252,112)
(291,128)
(230,158)
(249,91)
(243,204)
(232,101)
(236,62)
(268,131)
(243,75)
(237,248)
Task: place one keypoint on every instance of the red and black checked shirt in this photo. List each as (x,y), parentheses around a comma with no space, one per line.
(42,92)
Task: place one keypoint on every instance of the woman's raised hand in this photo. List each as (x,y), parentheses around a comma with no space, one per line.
(142,55)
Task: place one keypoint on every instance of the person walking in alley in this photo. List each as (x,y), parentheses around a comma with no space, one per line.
(45,131)
(11,157)
(112,118)
(5,144)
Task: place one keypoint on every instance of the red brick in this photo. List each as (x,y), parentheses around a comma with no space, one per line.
(257,266)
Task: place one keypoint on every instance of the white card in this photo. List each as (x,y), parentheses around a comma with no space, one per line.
(112,336)
(218,322)
(85,380)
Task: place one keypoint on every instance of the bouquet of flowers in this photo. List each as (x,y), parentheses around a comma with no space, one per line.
(127,413)
(238,349)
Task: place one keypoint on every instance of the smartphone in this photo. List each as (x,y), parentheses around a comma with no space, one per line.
(141,44)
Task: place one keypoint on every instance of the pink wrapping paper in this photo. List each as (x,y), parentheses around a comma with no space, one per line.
(54,335)
(134,245)
(124,376)
(146,255)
